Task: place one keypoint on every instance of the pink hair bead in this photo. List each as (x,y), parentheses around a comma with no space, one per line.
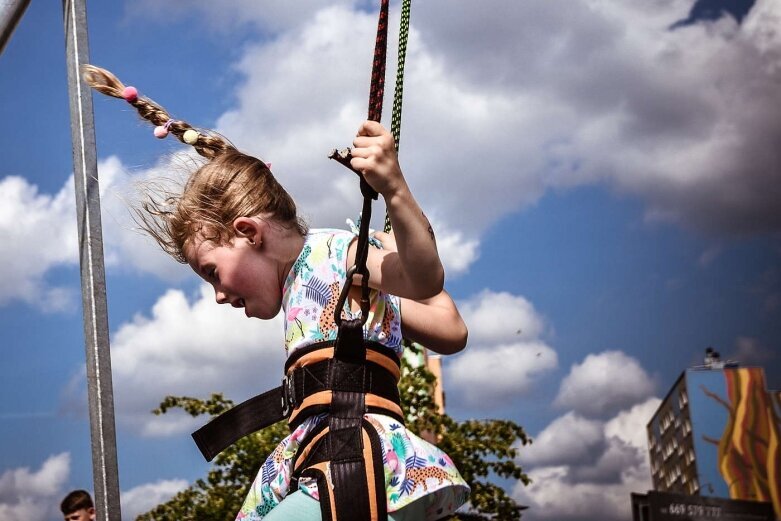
(161,131)
(130,94)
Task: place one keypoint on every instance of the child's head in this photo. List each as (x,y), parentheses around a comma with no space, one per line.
(78,506)
(229,185)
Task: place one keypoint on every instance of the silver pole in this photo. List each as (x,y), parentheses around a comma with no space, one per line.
(93,277)
(11,12)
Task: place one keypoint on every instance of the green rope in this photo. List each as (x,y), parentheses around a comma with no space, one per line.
(398,92)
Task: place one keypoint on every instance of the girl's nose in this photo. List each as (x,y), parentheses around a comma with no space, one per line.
(222,298)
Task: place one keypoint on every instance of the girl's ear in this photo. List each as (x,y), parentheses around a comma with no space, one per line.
(248,228)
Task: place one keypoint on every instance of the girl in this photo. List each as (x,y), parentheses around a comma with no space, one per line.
(238,229)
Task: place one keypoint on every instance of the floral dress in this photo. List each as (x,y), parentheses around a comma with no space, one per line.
(414,468)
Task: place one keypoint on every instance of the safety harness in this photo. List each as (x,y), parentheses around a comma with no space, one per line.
(345,378)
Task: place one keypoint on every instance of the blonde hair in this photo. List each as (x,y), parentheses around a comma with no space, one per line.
(229,185)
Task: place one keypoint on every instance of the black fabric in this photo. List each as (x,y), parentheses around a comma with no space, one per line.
(369,345)
(350,490)
(270,407)
(349,484)
(349,346)
(331,374)
(379,470)
(247,417)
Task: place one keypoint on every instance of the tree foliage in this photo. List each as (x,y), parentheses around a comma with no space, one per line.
(481,450)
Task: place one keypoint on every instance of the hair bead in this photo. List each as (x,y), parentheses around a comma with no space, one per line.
(190,137)
(161,131)
(130,94)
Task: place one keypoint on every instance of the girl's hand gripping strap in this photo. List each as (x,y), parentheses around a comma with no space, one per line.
(376,93)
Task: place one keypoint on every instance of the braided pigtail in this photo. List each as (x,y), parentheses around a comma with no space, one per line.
(206,143)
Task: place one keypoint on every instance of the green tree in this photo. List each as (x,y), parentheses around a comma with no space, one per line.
(481,449)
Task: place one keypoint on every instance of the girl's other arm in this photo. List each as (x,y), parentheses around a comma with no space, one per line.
(435,323)
(415,270)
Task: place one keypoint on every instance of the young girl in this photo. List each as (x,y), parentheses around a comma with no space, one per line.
(238,229)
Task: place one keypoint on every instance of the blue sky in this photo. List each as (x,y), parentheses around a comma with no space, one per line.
(605,191)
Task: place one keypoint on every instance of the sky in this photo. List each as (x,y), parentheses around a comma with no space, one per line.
(604,179)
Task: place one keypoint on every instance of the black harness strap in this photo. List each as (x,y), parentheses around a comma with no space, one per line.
(345,456)
(250,416)
(257,413)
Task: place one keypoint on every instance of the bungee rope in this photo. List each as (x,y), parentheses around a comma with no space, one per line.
(398,92)
(376,95)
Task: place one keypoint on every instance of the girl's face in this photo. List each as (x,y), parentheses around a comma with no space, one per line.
(240,274)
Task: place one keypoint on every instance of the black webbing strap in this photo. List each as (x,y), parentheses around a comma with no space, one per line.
(250,416)
(346,373)
(348,467)
(346,488)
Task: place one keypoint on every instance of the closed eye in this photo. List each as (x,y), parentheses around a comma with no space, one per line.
(210,273)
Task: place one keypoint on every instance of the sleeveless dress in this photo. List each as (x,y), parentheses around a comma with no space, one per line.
(414,468)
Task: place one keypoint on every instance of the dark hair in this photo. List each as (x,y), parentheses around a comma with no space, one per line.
(75,501)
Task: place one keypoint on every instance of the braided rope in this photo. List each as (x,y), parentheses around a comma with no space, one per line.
(398,93)
(378,66)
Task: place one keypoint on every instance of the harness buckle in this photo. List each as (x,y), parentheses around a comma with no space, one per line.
(288,395)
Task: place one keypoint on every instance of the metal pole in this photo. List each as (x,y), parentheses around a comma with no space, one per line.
(11,12)
(93,277)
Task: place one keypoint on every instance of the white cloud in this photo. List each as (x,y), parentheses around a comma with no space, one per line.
(580,98)
(567,439)
(143,498)
(125,245)
(38,233)
(27,495)
(543,94)
(679,117)
(604,383)
(505,354)
(629,425)
(594,464)
(585,501)
(191,348)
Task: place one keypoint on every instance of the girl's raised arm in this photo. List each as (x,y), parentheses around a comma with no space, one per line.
(415,270)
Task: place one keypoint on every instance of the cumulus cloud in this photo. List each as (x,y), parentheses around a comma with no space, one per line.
(143,498)
(568,439)
(27,495)
(189,347)
(604,383)
(587,92)
(677,117)
(38,233)
(594,464)
(664,114)
(629,425)
(506,353)
(126,247)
